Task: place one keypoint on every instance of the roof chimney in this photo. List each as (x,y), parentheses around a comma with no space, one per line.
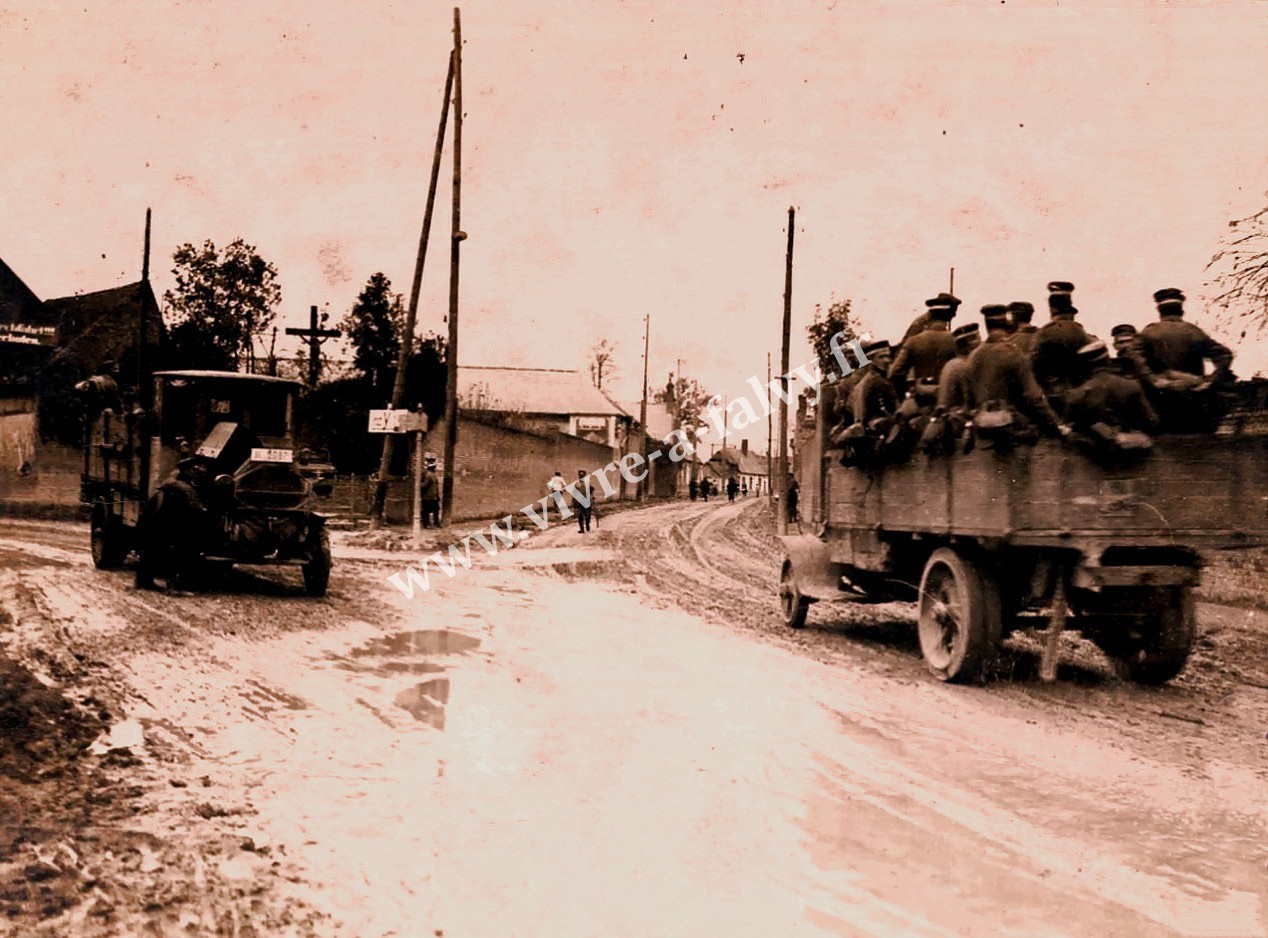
(744,447)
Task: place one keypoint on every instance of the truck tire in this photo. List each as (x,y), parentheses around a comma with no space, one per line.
(1157,649)
(792,605)
(108,549)
(960,621)
(317,568)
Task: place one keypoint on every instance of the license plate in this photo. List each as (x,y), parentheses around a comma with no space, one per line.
(272,455)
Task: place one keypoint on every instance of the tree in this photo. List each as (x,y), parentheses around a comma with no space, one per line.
(335,415)
(602,362)
(1240,272)
(838,317)
(221,302)
(690,401)
(373,326)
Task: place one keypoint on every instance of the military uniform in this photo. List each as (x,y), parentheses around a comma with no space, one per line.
(1171,344)
(1108,397)
(999,373)
(922,322)
(1023,338)
(954,388)
(1054,355)
(921,358)
(873,397)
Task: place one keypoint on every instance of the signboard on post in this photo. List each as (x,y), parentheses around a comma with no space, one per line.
(398,421)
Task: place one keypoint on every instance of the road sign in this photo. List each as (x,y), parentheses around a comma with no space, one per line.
(397,421)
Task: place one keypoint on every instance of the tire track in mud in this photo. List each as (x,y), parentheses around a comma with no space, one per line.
(721,562)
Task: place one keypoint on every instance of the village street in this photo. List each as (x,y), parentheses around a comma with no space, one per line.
(608,734)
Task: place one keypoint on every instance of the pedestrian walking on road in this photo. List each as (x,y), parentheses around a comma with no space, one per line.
(704,489)
(555,489)
(582,502)
(732,489)
(693,489)
(791,503)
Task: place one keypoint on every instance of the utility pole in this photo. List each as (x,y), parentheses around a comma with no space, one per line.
(783,381)
(142,353)
(315,335)
(770,446)
(145,384)
(455,241)
(378,506)
(642,411)
(951,289)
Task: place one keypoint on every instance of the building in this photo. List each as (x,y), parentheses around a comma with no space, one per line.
(745,467)
(543,399)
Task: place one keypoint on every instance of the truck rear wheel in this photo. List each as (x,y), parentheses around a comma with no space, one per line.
(1153,647)
(959,617)
(108,549)
(792,605)
(317,569)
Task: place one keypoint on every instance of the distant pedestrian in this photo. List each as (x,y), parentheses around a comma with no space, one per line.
(555,489)
(791,503)
(429,493)
(732,489)
(744,488)
(704,489)
(693,489)
(582,502)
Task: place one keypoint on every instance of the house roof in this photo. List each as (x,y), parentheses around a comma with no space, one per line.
(101,326)
(548,391)
(18,302)
(751,464)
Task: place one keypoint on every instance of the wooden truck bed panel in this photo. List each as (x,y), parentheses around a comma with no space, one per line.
(1217,487)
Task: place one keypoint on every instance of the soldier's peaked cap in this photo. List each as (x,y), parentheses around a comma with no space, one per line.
(943,299)
(995,314)
(942,313)
(1123,328)
(1059,287)
(878,345)
(1170,293)
(1094,351)
(963,332)
(1021,306)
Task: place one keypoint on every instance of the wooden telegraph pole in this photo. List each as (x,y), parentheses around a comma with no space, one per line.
(783,382)
(642,411)
(378,506)
(144,383)
(456,239)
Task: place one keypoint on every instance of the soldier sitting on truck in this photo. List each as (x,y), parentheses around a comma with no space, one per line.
(920,360)
(873,405)
(1009,402)
(1108,412)
(921,322)
(1129,358)
(1055,353)
(955,397)
(1176,353)
(1020,314)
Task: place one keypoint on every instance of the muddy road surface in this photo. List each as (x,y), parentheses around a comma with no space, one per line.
(608,734)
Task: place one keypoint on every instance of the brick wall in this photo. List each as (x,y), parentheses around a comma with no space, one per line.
(497,471)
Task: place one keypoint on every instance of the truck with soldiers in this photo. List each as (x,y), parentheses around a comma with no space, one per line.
(1039,483)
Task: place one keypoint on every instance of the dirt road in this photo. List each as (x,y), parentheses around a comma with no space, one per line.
(609,734)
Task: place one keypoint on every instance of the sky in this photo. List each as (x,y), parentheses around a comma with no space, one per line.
(623,159)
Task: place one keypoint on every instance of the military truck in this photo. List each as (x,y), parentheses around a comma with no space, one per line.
(205,477)
(989,542)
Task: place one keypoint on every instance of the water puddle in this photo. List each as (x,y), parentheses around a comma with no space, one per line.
(389,668)
(126,734)
(420,642)
(426,702)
